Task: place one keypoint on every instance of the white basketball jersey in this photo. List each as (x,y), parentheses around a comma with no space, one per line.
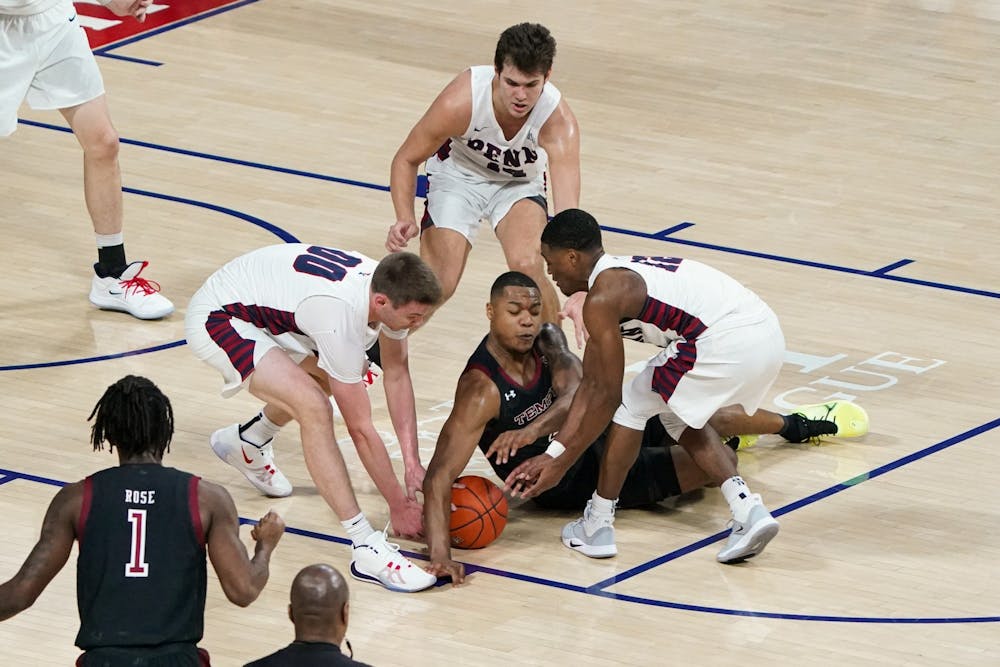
(266,287)
(685,299)
(483,150)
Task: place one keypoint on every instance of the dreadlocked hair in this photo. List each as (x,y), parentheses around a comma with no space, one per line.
(134,416)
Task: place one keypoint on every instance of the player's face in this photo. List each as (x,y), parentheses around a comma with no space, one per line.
(518,91)
(516,317)
(408,316)
(564,267)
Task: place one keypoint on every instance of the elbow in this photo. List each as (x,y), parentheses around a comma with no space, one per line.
(243,596)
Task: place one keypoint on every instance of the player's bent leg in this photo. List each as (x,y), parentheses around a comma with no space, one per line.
(520,234)
(445,251)
(594,534)
(280,381)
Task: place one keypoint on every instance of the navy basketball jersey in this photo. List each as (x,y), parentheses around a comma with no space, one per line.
(141,569)
(519,405)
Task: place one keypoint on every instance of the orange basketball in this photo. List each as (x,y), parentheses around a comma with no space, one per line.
(480,513)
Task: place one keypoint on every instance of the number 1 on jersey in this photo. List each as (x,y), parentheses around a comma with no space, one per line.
(137,565)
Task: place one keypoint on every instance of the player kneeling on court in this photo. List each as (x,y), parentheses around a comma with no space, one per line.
(291,323)
(515,392)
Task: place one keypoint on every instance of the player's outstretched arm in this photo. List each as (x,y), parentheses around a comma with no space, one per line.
(355,407)
(449,115)
(49,554)
(560,137)
(242,578)
(476,402)
(398,386)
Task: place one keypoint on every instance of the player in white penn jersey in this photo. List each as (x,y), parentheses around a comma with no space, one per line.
(291,323)
(722,346)
(46,60)
(487,140)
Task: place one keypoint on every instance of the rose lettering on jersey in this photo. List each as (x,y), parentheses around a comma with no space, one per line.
(137,497)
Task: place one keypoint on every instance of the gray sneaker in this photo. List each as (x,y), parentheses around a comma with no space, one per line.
(749,536)
(591,537)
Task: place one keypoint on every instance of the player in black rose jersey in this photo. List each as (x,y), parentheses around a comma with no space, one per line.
(143,530)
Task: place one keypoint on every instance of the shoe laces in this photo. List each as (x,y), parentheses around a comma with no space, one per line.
(137,284)
(596,522)
(810,430)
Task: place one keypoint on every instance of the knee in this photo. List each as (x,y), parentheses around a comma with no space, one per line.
(312,406)
(102,145)
(528,263)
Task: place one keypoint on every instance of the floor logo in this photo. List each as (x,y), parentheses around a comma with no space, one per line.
(105,29)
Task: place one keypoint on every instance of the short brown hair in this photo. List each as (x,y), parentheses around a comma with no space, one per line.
(405,278)
(527,46)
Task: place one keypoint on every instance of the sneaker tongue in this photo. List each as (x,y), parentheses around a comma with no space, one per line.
(131,271)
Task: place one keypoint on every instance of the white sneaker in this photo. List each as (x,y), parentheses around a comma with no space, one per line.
(378,561)
(591,536)
(751,533)
(256,463)
(130,293)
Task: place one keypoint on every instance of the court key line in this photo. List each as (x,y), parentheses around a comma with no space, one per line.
(598,589)
(665,235)
(282,234)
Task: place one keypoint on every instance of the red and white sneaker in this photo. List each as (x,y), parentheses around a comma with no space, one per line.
(378,561)
(130,293)
(256,463)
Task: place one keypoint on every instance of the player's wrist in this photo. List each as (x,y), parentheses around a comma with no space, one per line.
(555,449)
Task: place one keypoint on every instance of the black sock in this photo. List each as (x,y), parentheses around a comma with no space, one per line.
(110,261)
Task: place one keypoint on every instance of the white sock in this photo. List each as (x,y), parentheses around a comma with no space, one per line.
(259,431)
(108,240)
(602,508)
(736,492)
(358,528)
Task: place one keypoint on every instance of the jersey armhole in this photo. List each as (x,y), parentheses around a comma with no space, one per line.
(195,510)
(81,522)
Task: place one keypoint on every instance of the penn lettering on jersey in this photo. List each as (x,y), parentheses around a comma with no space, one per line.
(512,160)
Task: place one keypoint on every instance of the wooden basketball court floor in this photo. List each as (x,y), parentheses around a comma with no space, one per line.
(841,160)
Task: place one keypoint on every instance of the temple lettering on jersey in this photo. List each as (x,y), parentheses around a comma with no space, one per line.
(534,409)
(136,497)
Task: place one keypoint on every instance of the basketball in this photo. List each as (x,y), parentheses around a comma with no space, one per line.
(480,513)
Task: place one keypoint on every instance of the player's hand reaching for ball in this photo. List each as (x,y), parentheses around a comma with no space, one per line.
(269,529)
(507,444)
(573,309)
(400,234)
(407,519)
(535,476)
(446,567)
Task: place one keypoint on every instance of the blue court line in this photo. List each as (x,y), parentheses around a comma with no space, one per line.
(223,159)
(892,267)
(804,262)
(6,478)
(670,230)
(285,236)
(129,59)
(836,488)
(162,29)
(87,360)
(597,589)
(663,235)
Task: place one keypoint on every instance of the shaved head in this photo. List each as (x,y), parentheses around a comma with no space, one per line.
(318,606)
